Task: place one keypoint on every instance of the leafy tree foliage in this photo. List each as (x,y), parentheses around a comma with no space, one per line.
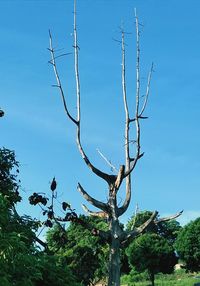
(17,261)
(21,262)
(188,245)
(83,253)
(53,272)
(153,253)
(9,185)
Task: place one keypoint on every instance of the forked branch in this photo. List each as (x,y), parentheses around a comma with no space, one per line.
(137,103)
(99,173)
(59,84)
(136,231)
(108,178)
(131,162)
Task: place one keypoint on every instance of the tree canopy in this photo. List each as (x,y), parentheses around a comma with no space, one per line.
(153,253)
(154,250)
(83,253)
(188,245)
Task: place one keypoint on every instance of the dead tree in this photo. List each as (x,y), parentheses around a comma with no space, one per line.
(116,237)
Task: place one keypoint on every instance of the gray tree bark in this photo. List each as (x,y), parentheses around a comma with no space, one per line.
(114,257)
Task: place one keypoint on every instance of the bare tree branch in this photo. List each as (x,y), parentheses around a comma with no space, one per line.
(106,177)
(127,123)
(100,214)
(168,218)
(91,200)
(134,219)
(135,232)
(107,161)
(42,243)
(59,85)
(147,93)
(131,162)
(137,123)
(120,177)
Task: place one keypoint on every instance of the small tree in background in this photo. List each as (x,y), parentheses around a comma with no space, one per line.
(153,253)
(156,248)
(188,245)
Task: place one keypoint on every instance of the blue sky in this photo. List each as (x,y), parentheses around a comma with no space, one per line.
(35,126)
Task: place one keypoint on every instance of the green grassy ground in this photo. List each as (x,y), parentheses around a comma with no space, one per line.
(179,278)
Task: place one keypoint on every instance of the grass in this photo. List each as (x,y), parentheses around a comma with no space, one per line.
(179,278)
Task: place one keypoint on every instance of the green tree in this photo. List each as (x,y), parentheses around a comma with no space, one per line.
(153,253)
(17,260)
(9,184)
(21,262)
(188,245)
(54,272)
(83,253)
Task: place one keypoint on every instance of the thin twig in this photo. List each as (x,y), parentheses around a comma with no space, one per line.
(76,65)
(107,161)
(147,92)
(62,55)
(137,124)
(134,220)
(59,85)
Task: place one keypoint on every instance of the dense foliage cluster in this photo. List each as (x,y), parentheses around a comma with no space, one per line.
(153,251)
(188,245)
(83,253)
(22,263)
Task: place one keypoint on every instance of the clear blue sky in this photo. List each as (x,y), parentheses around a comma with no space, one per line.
(167,178)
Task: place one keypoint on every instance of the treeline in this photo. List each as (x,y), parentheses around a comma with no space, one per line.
(75,257)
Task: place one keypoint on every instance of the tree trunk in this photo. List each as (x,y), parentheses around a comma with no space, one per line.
(114,263)
(115,243)
(152,278)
